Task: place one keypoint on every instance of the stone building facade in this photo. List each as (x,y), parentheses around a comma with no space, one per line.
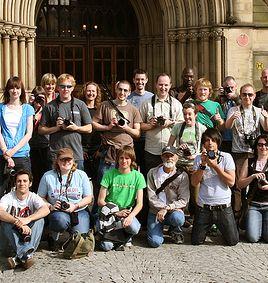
(218,37)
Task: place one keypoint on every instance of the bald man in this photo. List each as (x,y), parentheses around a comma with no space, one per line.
(262,95)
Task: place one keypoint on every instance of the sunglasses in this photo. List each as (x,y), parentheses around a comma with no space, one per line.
(245,94)
(65,86)
(262,144)
(66,159)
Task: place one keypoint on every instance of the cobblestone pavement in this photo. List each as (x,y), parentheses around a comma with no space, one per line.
(211,262)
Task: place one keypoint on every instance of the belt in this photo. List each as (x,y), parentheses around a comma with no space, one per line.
(215,207)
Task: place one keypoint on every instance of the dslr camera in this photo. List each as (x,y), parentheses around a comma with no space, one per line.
(186,152)
(23,237)
(10,171)
(64,205)
(211,154)
(250,139)
(121,121)
(66,122)
(40,99)
(160,120)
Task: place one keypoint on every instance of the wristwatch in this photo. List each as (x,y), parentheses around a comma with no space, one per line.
(202,167)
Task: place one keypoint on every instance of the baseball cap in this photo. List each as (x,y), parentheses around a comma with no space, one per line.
(65,152)
(169,149)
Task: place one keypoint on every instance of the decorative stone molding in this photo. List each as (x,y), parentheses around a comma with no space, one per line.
(7,29)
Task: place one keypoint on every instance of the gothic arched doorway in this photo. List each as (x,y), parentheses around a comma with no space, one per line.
(91,39)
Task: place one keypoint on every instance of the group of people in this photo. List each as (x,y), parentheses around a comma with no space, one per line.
(138,158)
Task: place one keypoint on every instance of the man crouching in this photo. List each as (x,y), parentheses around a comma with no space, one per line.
(168,194)
(21,215)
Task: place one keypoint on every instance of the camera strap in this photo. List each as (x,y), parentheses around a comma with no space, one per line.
(169,102)
(58,101)
(167,182)
(67,184)
(242,111)
(197,136)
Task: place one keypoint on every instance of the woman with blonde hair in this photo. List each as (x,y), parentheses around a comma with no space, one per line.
(48,82)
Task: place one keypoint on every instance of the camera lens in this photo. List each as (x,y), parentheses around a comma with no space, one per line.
(121,122)
(64,205)
(211,154)
(66,122)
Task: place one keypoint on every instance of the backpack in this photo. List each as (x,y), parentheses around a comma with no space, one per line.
(79,245)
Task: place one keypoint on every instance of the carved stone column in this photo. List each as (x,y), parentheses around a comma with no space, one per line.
(193,48)
(30,63)
(172,38)
(203,66)
(6,56)
(14,55)
(181,58)
(22,59)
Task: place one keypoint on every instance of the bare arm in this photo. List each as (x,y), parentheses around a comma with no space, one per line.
(44,130)
(134,132)
(171,140)
(102,196)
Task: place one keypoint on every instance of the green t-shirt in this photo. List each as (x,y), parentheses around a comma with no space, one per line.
(122,188)
(211,107)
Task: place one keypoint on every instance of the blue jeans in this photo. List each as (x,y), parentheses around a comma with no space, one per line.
(22,249)
(60,221)
(155,236)
(224,219)
(133,229)
(103,167)
(257,223)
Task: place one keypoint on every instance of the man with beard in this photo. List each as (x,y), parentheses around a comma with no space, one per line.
(186,90)
(168,194)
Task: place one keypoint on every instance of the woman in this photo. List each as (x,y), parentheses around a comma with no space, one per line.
(254,173)
(91,95)
(67,192)
(123,186)
(39,143)
(16,127)
(48,83)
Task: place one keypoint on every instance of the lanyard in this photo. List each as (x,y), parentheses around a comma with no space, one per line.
(58,107)
(243,117)
(67,184)
(170,105)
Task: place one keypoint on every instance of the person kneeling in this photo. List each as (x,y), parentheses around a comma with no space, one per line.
(68,192)
(21,215)
(123,186)
(168,194)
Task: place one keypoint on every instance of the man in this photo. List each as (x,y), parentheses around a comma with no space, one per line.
(21,215)
(168,194)
(261,99)
(244,121)
(228,98)
(214,171)
(116,131)
(136,98)
(186,90)
(159,114)
(64,119)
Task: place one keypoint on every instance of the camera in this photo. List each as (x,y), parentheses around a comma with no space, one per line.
(160,120)
(227,90)
(10,171)
(250,139)
(40,100)
(64,205)
(23,237)
(262,182)
(121,121)
(66,122)
(186,152)
(211,154)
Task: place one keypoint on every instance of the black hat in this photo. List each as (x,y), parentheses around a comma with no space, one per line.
(169,149)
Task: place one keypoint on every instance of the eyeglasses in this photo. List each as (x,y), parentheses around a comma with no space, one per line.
(245,94)
(262,144)
(66,159)
(65,86)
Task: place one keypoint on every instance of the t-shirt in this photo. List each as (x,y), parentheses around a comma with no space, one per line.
(245,125)
(122,188)
(21,208)
(213,108)
(212,190)
(51,189)
(261,100)
(117,137)
(189,137)
(12,118)
(137,99)
(64,138)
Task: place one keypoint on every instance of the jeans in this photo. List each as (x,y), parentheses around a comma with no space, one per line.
(224,219)
(133,229)
(103,167)
(20,163)
(257,223)
(60,221)
(155,237)
(23,249)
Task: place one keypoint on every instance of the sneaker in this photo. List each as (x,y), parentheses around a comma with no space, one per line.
(213,231)
(12,262)
(177,238)
(120,248)
(28,263)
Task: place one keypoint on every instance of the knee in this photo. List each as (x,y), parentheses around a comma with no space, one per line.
(134,227)
(58,222)
(178,218)
(155,241)
(106,246)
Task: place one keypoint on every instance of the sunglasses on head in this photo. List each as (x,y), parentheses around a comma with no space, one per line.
(65,86)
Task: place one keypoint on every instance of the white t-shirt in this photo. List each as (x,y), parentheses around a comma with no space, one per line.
(246,125)
(12,119)
(212,190)
(161,177)
(21,208)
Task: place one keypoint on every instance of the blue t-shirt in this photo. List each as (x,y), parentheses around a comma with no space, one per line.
(137,99)
(51,189)
(27,110)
